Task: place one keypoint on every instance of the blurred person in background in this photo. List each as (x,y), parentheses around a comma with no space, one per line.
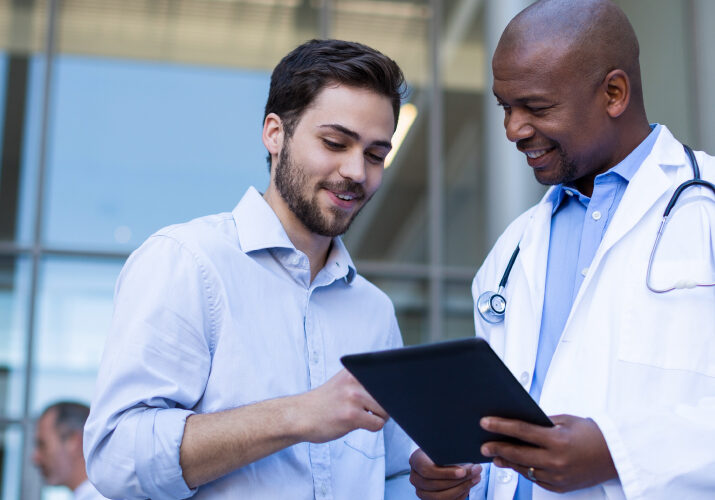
(58,449)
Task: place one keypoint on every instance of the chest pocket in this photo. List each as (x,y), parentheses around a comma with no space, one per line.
(673,330)
(369,444)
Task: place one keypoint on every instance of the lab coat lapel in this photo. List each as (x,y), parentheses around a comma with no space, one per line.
(532,259)
(649,184)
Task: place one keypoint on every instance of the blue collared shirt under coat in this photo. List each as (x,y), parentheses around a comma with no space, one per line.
(218,313)
(578,224)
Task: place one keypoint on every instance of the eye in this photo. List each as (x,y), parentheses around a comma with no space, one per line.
(374,158)
(538,110)
(335,146)
(504,106)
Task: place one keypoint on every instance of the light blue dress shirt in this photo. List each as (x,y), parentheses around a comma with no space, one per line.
(578,225)
(218,313)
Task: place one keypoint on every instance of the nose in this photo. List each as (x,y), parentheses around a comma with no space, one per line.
(517,126)
(353,167)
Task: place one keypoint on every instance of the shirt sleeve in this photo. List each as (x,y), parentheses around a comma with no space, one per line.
(154,369)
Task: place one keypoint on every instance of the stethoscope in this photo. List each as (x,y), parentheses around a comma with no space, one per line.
(492,305)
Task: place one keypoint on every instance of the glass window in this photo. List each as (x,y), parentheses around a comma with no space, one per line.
(136,146)
(73,317)
(392,226)
(10,461)
(458,310)
(462,50)
(14,301)
(410,299)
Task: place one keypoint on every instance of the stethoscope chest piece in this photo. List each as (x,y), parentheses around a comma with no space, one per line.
(491,307)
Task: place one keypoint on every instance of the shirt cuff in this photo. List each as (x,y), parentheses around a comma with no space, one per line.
(158,441)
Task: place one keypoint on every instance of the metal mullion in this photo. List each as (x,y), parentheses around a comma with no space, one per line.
(50,49)
(435,186)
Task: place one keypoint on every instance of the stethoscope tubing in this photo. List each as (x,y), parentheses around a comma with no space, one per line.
(485,302)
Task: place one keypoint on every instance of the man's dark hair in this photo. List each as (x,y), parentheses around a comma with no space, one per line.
(309,68)
(69,416)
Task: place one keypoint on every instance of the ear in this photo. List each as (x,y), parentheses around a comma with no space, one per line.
(618,92)
(273,134)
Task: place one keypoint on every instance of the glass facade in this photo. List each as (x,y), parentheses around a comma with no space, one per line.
(118,117)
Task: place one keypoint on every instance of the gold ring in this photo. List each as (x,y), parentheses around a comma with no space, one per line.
(530,474)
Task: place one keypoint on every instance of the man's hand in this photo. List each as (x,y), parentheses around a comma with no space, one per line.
(433,482)
(569,456)
(337,407)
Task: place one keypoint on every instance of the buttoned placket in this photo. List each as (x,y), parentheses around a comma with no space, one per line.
(319,452)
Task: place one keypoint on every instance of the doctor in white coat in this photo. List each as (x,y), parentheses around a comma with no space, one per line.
(626,373)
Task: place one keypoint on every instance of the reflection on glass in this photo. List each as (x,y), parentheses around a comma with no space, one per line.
(135,147)
(10,460)
(74,314)
(410,299)
(14,298)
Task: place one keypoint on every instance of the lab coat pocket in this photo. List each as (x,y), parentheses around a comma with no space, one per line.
(369,444)
(673,330)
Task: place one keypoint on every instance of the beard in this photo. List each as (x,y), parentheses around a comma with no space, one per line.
(566,172)
(294,187)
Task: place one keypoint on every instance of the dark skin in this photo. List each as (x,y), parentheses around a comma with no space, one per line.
(572,125)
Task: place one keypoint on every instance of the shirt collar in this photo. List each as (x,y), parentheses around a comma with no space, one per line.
(259,228)
(625,169)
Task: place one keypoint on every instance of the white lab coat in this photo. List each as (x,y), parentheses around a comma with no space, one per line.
(641,365)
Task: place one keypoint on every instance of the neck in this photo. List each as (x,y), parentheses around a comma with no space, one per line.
(628,138)
(313,245)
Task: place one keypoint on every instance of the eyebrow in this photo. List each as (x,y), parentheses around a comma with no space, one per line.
(354,135)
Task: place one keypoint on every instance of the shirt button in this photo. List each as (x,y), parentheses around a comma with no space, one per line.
(524,379)
(584,271)
(596,215)
(569,192)
(504,476)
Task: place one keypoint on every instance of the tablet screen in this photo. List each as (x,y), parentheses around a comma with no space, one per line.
(438,393)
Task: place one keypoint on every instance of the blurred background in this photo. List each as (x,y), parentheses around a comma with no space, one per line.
(118,117)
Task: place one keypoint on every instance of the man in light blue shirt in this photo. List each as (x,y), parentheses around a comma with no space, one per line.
(221,375)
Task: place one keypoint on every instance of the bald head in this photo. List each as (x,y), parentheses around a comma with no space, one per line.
(566,73)
(594,36)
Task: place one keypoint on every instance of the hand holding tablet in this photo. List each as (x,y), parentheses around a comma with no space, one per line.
(439,392)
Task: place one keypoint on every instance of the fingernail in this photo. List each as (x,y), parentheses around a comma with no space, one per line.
(486,451)
(460,472)
(485,422)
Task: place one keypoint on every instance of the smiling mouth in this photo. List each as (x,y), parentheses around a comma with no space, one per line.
(536,154)
(345,197)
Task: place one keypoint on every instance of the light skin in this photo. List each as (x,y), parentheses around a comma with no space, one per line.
(341,139)
(58,453)
(571,127)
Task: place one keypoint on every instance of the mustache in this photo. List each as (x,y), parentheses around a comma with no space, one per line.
(344,186)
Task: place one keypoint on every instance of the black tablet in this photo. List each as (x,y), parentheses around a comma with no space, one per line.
(438,393)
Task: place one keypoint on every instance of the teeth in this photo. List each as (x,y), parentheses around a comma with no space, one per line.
(345,197)
(536,154)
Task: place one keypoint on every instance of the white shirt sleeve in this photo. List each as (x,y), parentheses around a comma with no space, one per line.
(155,366)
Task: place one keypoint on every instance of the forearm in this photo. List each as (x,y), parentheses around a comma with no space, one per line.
(215,444)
